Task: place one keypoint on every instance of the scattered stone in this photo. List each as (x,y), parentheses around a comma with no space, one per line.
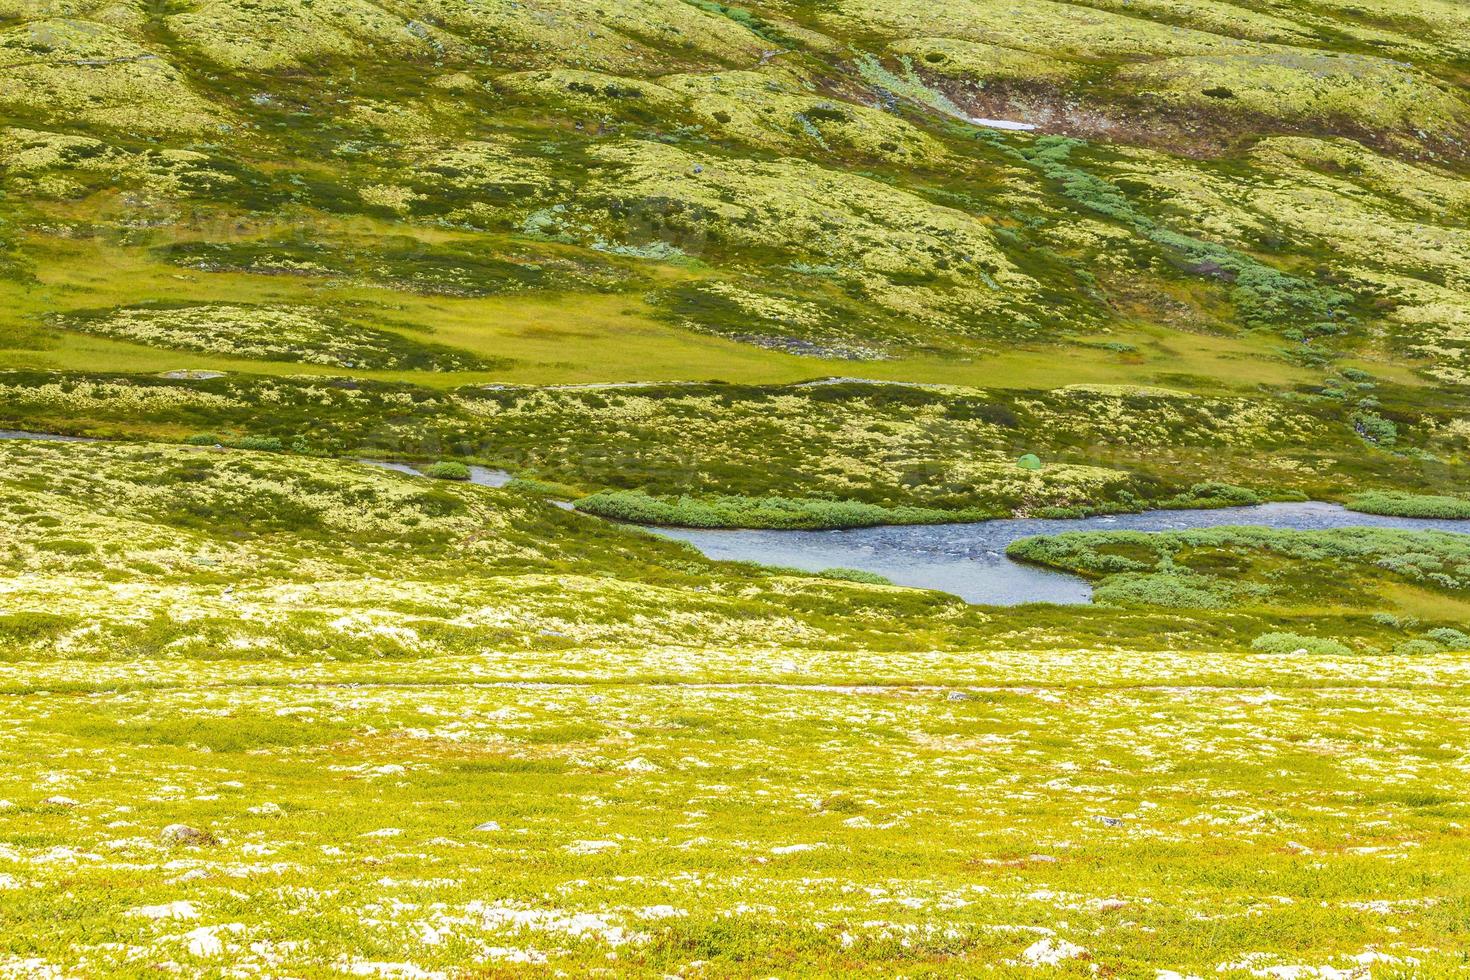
(959,696)
(59,801)
(488,825)
(1110,821)
(182,833)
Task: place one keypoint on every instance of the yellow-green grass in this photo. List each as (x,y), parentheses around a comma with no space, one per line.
(422,730)
(559,338)
(644,829)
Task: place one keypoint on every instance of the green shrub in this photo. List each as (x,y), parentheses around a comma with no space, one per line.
(1417,648)
(32,627)
(447,470)
(1213,494)
(268,444)
(1449,638)
(64,546)
(204,439)
(1164,591)
(1375,429)
(1298,643)
(854,575)
(1427,507)
(638,507)
(544,488)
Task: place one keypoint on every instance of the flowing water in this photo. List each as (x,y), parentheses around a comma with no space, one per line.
(969,560)
(482,475)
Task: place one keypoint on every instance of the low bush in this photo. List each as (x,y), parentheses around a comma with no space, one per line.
(447,470)
(1425,507)
(1298,643)
(854,575)
(267,444)
(1449,638)
(637,507)
(1213,494)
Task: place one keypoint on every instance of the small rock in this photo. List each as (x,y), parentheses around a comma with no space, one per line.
(1110,821)
(182,833)
(959,696)
(60,801)
(488,825)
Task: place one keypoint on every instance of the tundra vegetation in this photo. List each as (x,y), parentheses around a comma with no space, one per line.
(782,264)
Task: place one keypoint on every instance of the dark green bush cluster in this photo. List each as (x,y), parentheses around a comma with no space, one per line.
(266,444)
(447,470)
(756,25)
(1212,494)
(1375,429)
(1224,567)
(1298,643)
(1394,504)
(1265,296)
(637,507)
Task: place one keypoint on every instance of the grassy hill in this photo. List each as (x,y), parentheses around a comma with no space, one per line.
(1217,198)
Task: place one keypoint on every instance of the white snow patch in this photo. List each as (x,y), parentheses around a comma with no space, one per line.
(660,912)
(404,971)
(172,910)
(639,764)
(1001,124)
(576,924)
(1050,952)
(205,940)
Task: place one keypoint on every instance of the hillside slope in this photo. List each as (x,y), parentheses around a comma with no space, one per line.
(1232,199)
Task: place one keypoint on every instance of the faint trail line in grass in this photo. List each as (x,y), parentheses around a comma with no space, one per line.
(813,688)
